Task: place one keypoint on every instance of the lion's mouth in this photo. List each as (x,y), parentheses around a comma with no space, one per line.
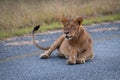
(68,37)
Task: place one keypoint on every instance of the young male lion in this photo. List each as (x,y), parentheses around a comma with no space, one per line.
(75,44)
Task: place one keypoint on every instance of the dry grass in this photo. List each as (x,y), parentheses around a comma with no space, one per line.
(20,14)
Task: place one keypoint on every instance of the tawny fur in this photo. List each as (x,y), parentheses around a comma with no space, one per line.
(75,44)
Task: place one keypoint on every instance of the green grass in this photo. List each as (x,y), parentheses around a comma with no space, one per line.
(52,26)
(107,18)
(28,30)
(58,25)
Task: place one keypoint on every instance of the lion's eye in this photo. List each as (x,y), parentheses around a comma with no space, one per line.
(72,26)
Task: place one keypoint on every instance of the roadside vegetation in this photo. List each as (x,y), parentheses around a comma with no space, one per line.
(18,17)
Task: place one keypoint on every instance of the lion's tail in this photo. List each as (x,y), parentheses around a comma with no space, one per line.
(34,42)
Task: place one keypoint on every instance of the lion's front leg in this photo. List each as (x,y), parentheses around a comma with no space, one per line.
(71,60)
(54,46)
(72,57)
(86,55)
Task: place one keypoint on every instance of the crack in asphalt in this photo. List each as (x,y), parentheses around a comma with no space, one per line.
(18,57)
(37,52)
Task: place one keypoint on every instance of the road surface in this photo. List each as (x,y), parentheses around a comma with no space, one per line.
(19,58)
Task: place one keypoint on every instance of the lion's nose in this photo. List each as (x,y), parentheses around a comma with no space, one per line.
(66,32)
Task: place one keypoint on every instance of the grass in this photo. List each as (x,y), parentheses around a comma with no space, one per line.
(57,25)
(108,18)
(17,17)
(28,30)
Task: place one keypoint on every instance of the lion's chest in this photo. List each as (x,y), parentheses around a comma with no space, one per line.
(66,49)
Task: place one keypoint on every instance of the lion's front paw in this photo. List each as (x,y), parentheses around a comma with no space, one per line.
(69,62)
(44,56)
(80,61)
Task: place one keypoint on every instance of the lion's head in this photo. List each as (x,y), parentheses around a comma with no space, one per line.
(71,27)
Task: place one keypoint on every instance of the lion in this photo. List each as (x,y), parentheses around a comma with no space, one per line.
(75,44)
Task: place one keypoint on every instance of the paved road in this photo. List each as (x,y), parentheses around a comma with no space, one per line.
(19,58)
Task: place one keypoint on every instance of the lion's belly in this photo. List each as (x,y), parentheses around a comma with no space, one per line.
(64,48)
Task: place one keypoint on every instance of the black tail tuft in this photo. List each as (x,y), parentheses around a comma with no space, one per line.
(35,28)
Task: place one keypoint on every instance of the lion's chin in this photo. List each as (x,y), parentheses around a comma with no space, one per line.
(68,38)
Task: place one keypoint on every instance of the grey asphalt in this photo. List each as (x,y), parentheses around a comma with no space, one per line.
(19,60)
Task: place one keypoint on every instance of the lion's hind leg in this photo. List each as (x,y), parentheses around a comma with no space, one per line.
(86,55)
(90,57)
(61,55)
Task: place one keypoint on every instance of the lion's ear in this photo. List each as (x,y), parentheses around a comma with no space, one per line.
(64,20)
(79,20)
